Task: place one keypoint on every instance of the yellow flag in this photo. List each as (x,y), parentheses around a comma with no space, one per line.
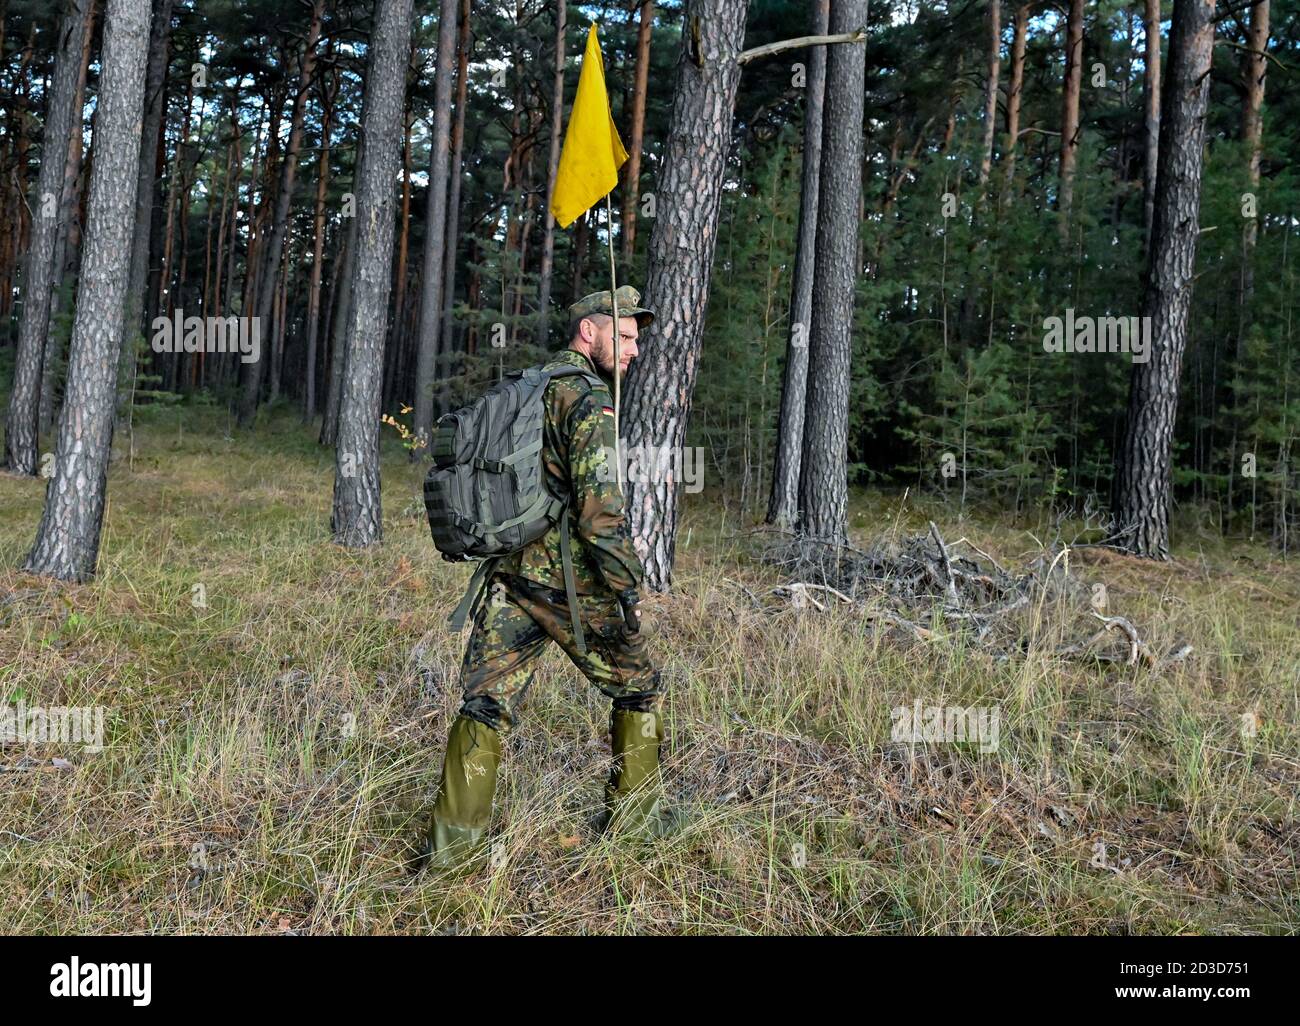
(592,152)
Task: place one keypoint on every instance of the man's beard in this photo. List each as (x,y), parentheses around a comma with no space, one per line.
(605,364)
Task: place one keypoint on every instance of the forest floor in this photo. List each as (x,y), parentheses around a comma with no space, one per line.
(277,708)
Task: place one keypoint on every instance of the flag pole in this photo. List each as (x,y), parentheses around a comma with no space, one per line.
(618,334)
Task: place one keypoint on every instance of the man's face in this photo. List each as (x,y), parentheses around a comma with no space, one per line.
(598,332)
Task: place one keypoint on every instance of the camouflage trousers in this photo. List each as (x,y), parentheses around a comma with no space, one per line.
(515,623)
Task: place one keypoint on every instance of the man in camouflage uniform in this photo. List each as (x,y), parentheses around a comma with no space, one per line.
(526,607)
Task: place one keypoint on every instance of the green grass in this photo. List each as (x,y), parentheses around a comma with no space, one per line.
(270,752)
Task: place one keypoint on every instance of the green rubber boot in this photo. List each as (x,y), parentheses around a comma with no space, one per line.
(464,805)
(634,803)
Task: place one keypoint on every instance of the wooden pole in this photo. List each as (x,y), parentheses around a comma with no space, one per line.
(618,334)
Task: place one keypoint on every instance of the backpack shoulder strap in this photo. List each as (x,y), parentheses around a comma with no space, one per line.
(566,544)
(567,370)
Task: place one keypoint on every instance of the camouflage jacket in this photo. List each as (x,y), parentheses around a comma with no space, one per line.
(578,454)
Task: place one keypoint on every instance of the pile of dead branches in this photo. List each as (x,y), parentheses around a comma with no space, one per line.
(926,587)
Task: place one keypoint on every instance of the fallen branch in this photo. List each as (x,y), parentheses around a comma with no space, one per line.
(904,584)
(953,598)
(767,49)
(805,587)
(892,620)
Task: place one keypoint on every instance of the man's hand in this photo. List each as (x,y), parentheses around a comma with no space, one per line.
(628,601)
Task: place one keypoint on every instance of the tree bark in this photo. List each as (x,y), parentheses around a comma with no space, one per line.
(395,351)
(783,506)
(1254,67)
(12,181)
(223,223)
(546,272)
(266,292)
(1015,93)
(65,246)
(632,176)
(1070,112)
(157,211)
(447,338)
(318,252)
(435,230)
(251,249)
(358,515)
(279,283)
(224,302)
(661,382)
(22,425)
(823,480)
(991,91)
(329,427)
(1151,119)
(67,541)
(1143,463)
(187,161)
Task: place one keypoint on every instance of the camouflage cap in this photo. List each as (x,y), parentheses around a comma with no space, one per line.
(599,302)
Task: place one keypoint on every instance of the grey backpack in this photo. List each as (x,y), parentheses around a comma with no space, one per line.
(486,495)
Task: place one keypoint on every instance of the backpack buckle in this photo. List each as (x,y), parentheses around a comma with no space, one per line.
(465,524)
(495,466)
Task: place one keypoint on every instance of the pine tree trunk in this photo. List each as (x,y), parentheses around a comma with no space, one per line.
(67,541)
(22,425)
(187,161)
(358,516)
(4,12)
(157,211)
(661,382)
(435,230)
(246,296)
(278,282)
(160,34)
(338,337)
(1015,91)
(211,203)
(1151,119)
(1143,463)
(581,235)
(232,250)
(165,295)
(15,214)
(991,91)
(1070,112)
(336,237)
(632,176)
(823,480)
(267,289)
(447,338)
(318,253)
(526,221)
(950,126)
(1254,67)
(214,307)
(783,507)
(65,246)
(395,350)
(552,163)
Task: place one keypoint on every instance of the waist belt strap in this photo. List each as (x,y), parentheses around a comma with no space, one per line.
(570,587)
